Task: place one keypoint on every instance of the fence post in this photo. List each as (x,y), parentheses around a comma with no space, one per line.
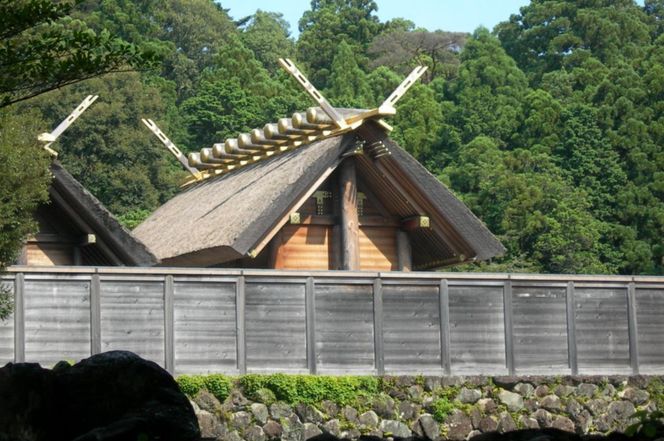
(379,353)
(310,308)
(95,314)
(633,328)
(169,324)
(19,318)
(571,329)
(509,327)
(444,305)
(240,325)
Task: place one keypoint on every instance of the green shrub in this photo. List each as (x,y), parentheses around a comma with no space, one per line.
(218,385)
(310,389)
(441,408)
(190,384)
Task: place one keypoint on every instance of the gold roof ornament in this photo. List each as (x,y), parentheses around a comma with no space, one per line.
(50,138)
(302,128)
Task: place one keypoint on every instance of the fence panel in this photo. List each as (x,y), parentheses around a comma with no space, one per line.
(7,329)
(650,319)
(411,328)
(275,326)
(477,329)
(602,330)
(540,321)
(132,317)
(204,327)
(57,320)
(344,328)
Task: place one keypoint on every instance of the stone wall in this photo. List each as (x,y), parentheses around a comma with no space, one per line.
(454,408)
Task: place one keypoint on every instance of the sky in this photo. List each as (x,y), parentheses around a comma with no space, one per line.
(447,15)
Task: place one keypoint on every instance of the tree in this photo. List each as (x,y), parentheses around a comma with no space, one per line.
(267,35)
(348,86)
(42,48)
(328,23)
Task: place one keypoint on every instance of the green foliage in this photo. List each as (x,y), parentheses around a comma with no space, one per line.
(442,407)
(217,384)
(310,389)
(133,218)
(190,385)
(647,426)
(6,303)
(43,48)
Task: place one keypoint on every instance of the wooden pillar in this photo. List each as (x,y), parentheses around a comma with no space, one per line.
(349,228)
(404,253)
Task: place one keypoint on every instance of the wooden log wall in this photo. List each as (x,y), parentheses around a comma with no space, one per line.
(237,321)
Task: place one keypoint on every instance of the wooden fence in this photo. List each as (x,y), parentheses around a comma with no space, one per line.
(236,321)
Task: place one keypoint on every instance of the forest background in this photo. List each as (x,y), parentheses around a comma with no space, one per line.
(550,127)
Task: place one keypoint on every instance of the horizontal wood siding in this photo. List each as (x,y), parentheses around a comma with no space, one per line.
(378,249)
(275,326)
(477,329)
(48,254)
(650,319)
(411,328)
(344,328)
(304,247)
(57,321)
(132,317)
(539,321)
(204,327)
(602,337)
(7,331)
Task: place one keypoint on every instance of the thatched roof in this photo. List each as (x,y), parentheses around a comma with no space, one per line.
(223,218)
(90,215)
(231,216)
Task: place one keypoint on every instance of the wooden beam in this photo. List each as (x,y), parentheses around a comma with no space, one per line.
(404,252)
(349,222)
(415,222)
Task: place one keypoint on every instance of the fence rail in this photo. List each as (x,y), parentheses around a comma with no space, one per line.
(237,321)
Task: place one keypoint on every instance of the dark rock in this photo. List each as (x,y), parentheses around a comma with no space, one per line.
(255,433)
(293,429)
(369,419)
(241,420)
(405,381)
(260,412)
(488,424)
(476,380)
(350,414)
(469,396)
(528,435)
(209,425)
(608,391)
(431,383)
(351,433)
(426,426)
(541,391)
(506,423)
(272,429)
(280,410)
(452,381)
(528,422)
(310,430)
(544,418)
(308,413)
(206,401)
(563,390)
(487,405)
(586,390)
(603,423)
(396,428)
(333,427)
(526,390)
(383,405)
(638,381)
(232,436)
(114,394)
(237,400)
(573,408)
(620,412)
(531,404)
(513,401)
(596,406)
(408,411)
(583,421)
(506,382)
(475,416)
(563,423)
(330,408)
(265,396)
(551,402)
(415,392)
(636,396)
(458,425)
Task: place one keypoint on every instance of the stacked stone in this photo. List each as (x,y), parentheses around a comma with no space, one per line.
(582,405)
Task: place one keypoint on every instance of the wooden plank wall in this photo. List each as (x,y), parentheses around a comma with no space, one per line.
(236,321)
